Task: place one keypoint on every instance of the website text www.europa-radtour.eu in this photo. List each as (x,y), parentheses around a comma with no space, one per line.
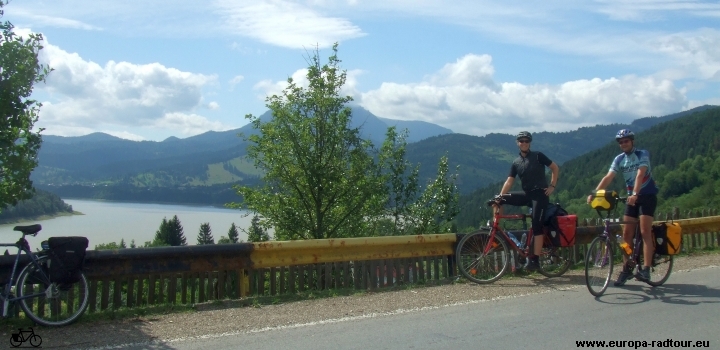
(640,344)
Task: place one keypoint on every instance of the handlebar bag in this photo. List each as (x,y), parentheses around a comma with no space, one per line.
(604,200)
(67,256)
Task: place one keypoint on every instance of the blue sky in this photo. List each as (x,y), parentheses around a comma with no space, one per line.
(147,70)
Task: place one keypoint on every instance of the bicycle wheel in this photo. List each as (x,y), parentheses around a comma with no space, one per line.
(480,259)
(660,271)
(35,340)
(14,342)
(554,261)
(53,305)
(598,265)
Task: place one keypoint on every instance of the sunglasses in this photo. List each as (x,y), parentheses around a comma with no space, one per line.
(622,142)
(524,141)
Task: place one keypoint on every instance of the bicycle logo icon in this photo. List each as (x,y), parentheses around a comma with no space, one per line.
(17,339)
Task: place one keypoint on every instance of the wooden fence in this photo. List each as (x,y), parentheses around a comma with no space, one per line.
(127,278)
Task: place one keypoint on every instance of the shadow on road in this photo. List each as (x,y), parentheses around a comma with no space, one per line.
(682,294)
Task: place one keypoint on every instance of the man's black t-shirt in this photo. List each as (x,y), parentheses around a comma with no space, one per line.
(531,170)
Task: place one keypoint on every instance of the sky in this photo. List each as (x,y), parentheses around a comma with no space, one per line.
(148,70)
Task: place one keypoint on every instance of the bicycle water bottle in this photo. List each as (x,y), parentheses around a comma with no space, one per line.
(513,238)
(626,247)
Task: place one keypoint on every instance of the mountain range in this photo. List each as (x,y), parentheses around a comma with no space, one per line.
(103,166)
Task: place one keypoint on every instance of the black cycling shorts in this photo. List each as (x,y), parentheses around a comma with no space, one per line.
(537,200)
(644,205)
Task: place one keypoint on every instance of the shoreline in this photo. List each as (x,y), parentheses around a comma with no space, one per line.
(39,218)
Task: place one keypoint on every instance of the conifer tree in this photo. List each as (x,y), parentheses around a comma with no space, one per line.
(176,235)
(205,235)
(233,234)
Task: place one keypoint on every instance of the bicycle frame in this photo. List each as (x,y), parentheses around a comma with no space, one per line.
(635,256)
(6,296)
(497,217)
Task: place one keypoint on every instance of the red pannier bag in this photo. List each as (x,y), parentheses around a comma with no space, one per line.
(562,230)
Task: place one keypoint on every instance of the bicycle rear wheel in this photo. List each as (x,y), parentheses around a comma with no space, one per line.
(660,271)
(54,305)
(554,261)
(481,257)
(598,265)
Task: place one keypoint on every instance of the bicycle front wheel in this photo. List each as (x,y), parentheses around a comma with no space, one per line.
(554,261)
(482,257)
(598,265)
(51,304)
(35,340)
(660,271)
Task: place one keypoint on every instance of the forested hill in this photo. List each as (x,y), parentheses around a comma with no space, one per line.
(486,159)
(41,204)
(685,161)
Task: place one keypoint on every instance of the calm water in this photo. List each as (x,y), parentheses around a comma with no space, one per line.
(106,222)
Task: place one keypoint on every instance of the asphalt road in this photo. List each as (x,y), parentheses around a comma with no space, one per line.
(687,308)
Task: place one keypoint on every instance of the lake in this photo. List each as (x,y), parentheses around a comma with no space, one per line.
(105,222)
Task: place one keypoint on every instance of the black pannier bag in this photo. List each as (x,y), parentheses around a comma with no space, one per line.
(67,256)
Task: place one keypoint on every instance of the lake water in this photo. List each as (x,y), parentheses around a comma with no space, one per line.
(105,222)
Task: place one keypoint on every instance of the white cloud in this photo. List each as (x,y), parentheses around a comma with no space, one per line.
(652,10)
(268,88)
(284,23)
(235,80)
(85,95)
(188,124)
(464,97)
(125,135)
(696,53)
(213,105)
(52,21)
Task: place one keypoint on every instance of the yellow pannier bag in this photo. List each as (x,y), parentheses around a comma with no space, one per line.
(604,200)
(667,237)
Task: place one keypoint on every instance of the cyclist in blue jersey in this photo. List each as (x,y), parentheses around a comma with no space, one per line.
(530,166)
(634,165)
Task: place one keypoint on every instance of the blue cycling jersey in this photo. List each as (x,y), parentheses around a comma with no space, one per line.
(628,165)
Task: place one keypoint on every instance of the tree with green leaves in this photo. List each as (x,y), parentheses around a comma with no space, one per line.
(224,240)
(205,234)
(20,70)
(401,181)
(257,233)
(434,211)
(321,179)
(233,234)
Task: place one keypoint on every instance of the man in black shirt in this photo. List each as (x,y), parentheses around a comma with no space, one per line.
(530,167)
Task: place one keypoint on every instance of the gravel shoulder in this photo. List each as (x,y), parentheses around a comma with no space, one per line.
(215,320)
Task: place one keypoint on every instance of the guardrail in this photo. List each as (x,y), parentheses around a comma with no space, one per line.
(126,278)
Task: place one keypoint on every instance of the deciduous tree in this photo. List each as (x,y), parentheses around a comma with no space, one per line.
(321,179)
(20,70)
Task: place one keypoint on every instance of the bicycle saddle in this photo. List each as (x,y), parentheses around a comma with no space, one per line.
(28,230)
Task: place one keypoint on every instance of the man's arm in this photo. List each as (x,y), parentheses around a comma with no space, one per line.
(508,185)
(555,172)
(606,180)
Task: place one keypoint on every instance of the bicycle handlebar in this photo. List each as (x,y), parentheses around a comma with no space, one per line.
(498,199)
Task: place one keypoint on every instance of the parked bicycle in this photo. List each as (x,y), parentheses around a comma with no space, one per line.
(49,290)
(484,256)
(600,257)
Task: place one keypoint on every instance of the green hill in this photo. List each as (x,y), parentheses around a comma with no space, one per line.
(685,160)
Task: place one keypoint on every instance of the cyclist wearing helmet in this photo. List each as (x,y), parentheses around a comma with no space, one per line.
(530,167)
(634,165)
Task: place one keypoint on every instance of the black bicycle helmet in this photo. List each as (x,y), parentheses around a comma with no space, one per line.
(524,135)
(625,133)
